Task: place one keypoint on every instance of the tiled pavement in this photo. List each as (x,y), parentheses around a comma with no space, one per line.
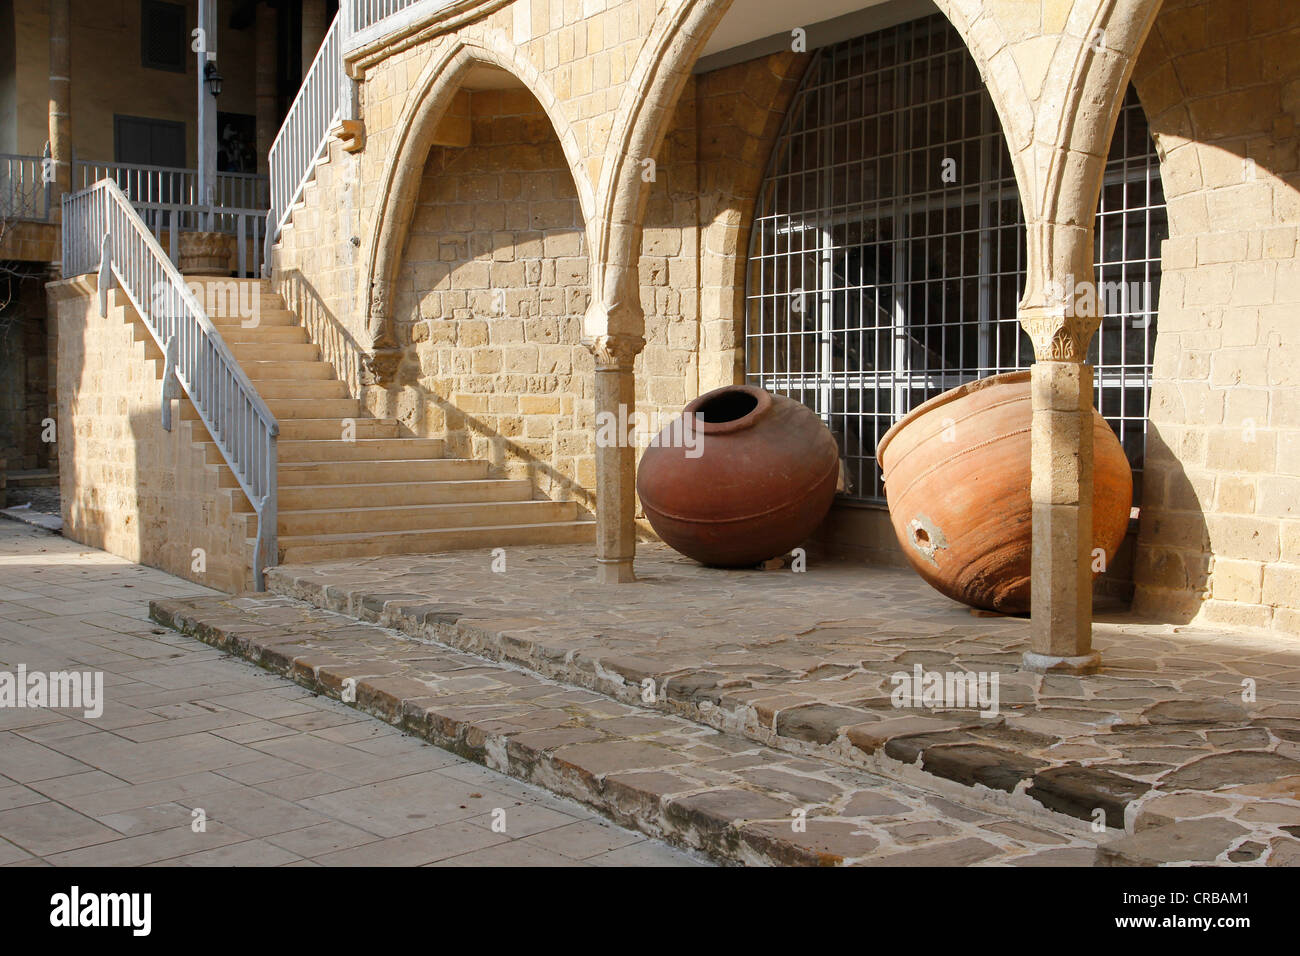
(734,798)
(282,776)
(1163,741)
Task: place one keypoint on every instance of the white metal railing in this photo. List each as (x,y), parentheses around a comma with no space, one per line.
(24,190)
(367,13)
(167,184)
(326,95)
(103,231)
(167,221)
(305,131)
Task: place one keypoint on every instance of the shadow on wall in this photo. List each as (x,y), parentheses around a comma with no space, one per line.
(488,299)
(351,363)
(1173,557)
(338,346)
(1218,80)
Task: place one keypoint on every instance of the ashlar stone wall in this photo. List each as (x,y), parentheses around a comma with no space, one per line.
(489,299)
(127,486)
(1220,538)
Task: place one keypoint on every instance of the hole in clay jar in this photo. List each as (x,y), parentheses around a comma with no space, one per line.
(728,407)
(922,536)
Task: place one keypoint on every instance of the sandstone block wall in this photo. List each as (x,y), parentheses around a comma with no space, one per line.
(1220,539)
(489,301)
(127,486)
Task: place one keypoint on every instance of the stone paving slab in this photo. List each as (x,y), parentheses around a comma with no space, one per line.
(805,663)
(284,777)
(735,799)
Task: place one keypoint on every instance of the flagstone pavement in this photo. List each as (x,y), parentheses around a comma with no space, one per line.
(282,777)
(1188,733)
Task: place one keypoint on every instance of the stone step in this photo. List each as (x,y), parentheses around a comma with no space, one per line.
(296,371)
(266,316)
(338,408)
(250,350)
(320,429)
(399,494)
(957,749)
(321,547)
(417,518)
(361,450)
(293,473)
(305,388)
(333,410)
(735,799)
(266,336)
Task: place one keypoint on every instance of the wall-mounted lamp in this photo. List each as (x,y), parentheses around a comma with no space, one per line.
(212,78)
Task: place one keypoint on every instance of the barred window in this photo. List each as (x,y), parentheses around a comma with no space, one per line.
(887,255)
(164,42)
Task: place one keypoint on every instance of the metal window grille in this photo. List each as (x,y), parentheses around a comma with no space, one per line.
(164,41)
(887,256)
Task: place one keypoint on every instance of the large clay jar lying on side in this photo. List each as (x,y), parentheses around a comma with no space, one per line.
(957,481)
(758,481)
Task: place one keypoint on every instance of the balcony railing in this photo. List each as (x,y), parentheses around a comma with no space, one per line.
(24,193)
(166,184)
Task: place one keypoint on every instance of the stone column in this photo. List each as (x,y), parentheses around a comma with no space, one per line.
(314,27)
(60,117)
(615,461)
(264,83)
(1061,261)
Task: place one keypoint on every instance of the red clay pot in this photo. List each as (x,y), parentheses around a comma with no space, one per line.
(957,482)
(763,480)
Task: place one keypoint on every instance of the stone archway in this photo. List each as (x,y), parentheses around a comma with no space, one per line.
(417,129)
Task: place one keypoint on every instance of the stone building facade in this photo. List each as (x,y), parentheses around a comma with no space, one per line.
(542,212)
(551,214)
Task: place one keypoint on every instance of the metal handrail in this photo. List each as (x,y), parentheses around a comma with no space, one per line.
(368,13)
(168,221)
(304,134)
(102,231)
(326,96)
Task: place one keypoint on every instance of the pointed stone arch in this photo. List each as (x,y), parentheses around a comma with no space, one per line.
(399,182)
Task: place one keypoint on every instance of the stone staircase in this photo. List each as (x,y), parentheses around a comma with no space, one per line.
(379,492)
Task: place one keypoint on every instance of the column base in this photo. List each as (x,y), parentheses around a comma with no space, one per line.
(1054,664)
(617,571)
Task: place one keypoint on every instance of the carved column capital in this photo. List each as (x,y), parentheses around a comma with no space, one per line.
(1056,336)
(615,351)
(1060,309)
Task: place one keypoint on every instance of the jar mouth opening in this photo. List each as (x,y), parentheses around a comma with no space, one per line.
(728,409)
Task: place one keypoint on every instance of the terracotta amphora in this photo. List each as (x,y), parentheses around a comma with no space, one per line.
(957,482)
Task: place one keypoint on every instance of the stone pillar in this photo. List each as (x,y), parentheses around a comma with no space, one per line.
(1061,323)
(314,27)
(1061,490)
(60,117)
(615,461)
(264,83)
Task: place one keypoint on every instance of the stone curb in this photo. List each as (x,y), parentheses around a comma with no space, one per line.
(689,785)
(983,756)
